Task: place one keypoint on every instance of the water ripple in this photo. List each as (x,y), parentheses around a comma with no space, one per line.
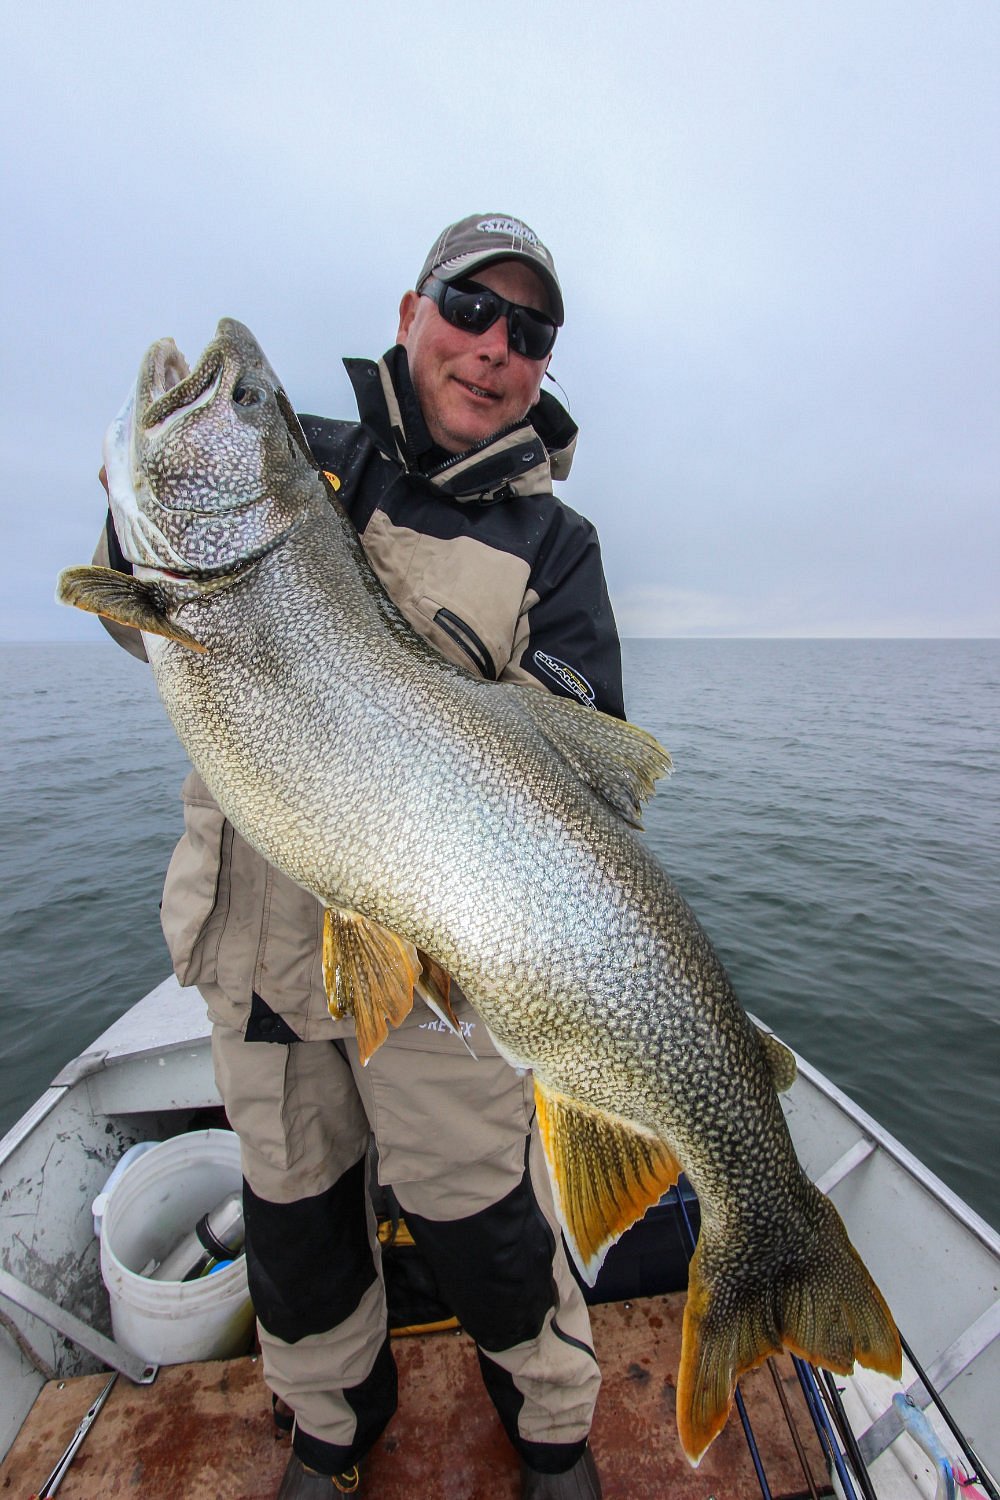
(833,820)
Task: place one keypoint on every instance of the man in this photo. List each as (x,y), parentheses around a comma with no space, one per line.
(447,477)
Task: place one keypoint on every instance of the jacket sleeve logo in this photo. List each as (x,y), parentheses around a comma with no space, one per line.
(566,676)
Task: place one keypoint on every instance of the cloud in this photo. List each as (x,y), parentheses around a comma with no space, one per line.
(662,611)
(650,610)
(778,258)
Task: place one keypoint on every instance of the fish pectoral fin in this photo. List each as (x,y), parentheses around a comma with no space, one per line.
(812,1296)
(369,974)
(605,1172)
(780,1060)
(617,760)
(119,596)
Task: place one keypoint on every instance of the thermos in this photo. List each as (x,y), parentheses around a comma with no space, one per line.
(218,1235)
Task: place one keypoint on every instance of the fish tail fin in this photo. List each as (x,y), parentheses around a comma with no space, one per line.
(819,1303)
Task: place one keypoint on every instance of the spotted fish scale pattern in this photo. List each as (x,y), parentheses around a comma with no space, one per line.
(491,826)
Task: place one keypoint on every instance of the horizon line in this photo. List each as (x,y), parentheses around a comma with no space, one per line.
(74,640)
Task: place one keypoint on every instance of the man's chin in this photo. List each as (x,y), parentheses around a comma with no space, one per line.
(457,441)
(473,421)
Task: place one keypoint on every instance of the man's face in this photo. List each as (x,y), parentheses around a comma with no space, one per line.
(471,385)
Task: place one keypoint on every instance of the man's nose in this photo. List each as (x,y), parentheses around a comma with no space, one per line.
(494,343)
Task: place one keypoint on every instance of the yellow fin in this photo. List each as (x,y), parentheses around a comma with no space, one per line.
(119,596)
(617,760)
(369,973)
(606,1173)
(780,1059)
(816,1300)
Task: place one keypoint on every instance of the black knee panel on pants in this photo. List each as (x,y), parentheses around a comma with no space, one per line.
(309,1263)
(547,1458)
(494,1268)
(373,1403)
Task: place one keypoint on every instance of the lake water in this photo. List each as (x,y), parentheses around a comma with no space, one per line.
(834,820)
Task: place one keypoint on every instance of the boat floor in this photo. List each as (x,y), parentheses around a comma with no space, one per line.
(204,1431)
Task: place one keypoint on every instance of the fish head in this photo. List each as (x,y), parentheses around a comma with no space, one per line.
(205,465)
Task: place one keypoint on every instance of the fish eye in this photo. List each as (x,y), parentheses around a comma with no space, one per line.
(245,394)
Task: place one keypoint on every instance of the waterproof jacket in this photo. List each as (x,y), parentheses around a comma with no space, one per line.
(489,567)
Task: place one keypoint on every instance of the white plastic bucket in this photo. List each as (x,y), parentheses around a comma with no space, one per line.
(100,1203)
(158,1199)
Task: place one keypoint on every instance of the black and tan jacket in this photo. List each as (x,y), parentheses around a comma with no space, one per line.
(487,565)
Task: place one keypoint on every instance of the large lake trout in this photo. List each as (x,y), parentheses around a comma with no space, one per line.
(473,829)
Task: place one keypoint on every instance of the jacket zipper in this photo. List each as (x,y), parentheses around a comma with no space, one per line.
(459,458)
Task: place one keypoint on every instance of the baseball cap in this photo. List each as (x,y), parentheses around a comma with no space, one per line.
(481,240)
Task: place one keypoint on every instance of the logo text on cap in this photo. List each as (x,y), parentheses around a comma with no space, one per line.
(513,227)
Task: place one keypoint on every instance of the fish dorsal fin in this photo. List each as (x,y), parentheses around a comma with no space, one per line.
(369,974)
(780,1059)
(119,596)
(618,760)
(606,1174)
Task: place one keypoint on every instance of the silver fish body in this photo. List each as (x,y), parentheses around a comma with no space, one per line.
(489,826)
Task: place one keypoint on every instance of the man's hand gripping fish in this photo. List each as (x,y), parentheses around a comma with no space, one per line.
(453,826)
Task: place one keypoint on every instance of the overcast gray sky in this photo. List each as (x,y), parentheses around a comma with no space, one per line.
(777,225)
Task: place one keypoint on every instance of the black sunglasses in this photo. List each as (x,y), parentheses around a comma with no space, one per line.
(474,308)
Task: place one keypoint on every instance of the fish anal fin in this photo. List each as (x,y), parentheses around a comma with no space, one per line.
(606,1173)
(819,1303)
(119,596)
(780,1060)
(617,760)
(369,974)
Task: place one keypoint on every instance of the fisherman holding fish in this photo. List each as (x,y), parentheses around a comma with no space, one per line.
(399,852)
(447,477)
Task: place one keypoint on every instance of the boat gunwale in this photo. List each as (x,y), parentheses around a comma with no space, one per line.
(904,1158)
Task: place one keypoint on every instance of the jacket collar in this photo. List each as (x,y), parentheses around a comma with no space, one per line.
(523,460)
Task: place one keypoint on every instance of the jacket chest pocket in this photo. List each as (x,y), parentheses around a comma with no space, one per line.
(461,642)
(460,594)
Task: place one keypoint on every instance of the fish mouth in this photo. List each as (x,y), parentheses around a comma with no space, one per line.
(169,387)
(169,524)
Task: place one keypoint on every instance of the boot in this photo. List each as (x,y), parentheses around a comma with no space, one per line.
(300,1483)
(581,1482)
